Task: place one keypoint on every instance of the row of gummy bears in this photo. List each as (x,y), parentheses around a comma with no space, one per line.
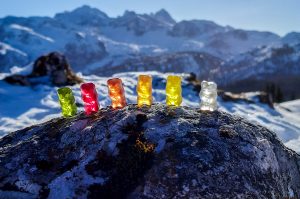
(208,95)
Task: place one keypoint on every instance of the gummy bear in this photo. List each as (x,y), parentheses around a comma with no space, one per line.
(67,102)
(144,90)
(208,96)
(90,98)
(173,91)
(116,93)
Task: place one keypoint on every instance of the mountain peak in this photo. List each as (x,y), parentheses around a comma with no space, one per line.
(162,12)
(85,9)
(129,13)
(82,14)
(163,15)
(291,38)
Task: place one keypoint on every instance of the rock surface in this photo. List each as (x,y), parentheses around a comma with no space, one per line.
(156,152)
(51,68)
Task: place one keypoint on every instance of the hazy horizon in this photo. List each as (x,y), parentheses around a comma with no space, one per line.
(275,16)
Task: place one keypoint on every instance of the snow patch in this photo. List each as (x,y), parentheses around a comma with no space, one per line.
(4,48)
(31,31)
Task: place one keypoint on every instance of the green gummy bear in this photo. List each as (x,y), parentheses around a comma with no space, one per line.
(67,102)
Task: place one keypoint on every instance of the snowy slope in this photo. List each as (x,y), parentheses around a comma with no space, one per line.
(291,112)
(24,106)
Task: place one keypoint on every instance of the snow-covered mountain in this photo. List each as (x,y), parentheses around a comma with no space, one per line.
(200,63)
(264,61)
(25,106)
(291,38)
(90,38)
(255,69)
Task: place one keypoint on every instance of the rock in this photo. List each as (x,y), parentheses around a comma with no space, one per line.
(266,98)
(158,152)
(234,97)
(192,80)
(53,66)
(17,80)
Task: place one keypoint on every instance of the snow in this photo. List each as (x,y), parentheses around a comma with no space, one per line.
(21,70)
(25,184)
(291,112)
(5,47)
(287,128)
(30,31)
(24,106)
(292,106)
(123,48)
(62,187)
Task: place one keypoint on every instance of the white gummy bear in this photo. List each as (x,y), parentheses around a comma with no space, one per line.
(208,96)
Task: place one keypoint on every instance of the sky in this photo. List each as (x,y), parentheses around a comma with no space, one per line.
(279,16)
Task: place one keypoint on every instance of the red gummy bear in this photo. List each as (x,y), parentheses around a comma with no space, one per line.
(90,98)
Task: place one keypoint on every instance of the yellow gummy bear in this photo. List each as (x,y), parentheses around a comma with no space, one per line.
(144,90)
(173,91)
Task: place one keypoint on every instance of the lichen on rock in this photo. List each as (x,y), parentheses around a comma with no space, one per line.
(155,152)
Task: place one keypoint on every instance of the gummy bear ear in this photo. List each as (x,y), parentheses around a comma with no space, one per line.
(212,85)
(204,84)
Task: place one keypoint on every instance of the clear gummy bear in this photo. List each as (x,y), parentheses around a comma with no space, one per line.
(208,96)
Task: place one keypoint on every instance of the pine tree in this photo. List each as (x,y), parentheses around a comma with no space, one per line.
(278,94)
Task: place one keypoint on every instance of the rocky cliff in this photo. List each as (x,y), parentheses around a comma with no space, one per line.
(156,152)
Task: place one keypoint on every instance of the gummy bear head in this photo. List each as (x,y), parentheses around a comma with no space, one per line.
(211,86)
(145,81)
(115,85)
(65,95)
(88,92)
(88,87)
(174,80)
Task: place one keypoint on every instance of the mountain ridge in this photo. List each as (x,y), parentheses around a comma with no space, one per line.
(140,29)
(94,41)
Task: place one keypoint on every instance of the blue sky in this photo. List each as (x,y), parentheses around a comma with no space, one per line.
(279,16)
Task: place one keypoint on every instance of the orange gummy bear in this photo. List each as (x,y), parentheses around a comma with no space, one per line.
(116,93)
(144,90)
